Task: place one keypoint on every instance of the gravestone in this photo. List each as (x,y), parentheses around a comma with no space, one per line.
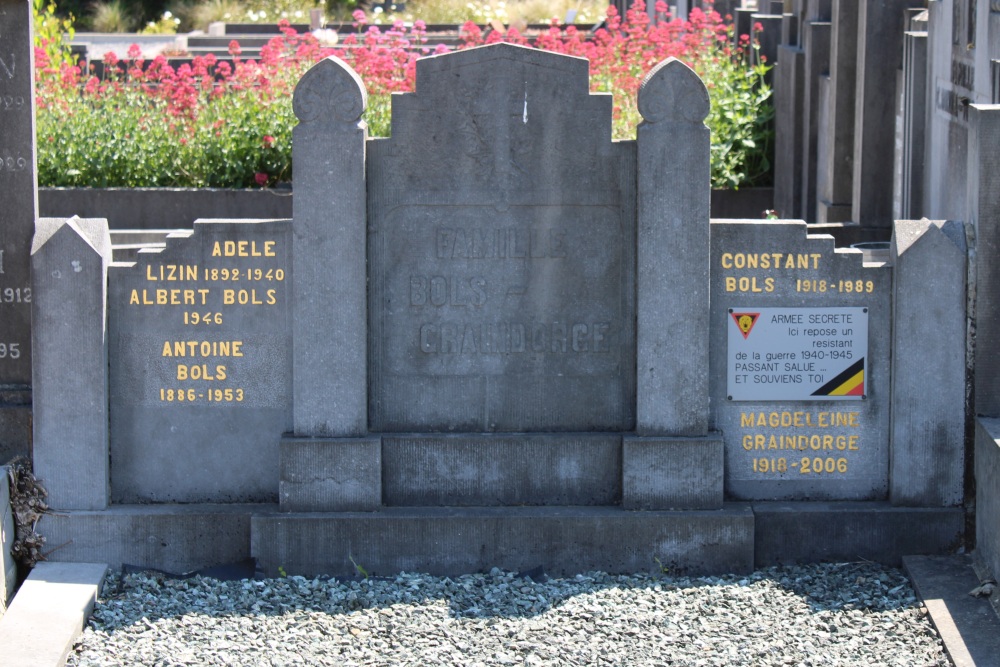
(962,42)
(836,166)
(914,120)
(816,44)
(502,293)
(200,335)
(801,393)
(880,41)
(983,212)
(18,209)
(789,131)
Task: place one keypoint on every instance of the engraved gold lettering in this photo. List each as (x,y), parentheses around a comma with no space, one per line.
(200,372)
(205,348)
(172,272)
(244,249)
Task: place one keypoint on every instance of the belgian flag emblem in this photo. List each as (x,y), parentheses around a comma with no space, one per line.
(849,383)
(745,322)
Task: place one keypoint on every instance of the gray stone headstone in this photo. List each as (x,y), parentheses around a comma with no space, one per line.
(836,171)
(201,384)
(880,53)
(914,123)
(331,339)
(69,263)
(18,210)
(929,385)
(673,167)
(983,202)
(816,44)
(501,251)
(788,121)
(18,189)
(816,445)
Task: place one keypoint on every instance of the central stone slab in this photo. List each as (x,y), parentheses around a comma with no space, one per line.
(501,252)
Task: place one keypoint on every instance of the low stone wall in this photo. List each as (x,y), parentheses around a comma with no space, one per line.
(170,208)
(162,208)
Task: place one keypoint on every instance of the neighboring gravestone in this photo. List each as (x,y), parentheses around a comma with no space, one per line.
(914,121)
(880,54)
(983,212)
(200,387)
(836,168)
(18,209)
(800,374)
(816,44)
(962,41)
(501,252)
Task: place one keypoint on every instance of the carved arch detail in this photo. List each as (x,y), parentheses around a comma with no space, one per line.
(672,92)
(330,87)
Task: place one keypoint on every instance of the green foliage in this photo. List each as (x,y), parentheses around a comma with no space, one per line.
(165,25)
(362,571)
(741,124)
(49,29)
(112,16)
(211,126)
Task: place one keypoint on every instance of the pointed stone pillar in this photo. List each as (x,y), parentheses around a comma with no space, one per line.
(673,253)
(330,358)
(69,265)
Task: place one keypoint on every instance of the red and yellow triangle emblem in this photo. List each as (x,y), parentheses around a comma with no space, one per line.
(745,322)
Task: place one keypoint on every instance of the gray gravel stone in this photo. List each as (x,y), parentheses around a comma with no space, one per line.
(831,615)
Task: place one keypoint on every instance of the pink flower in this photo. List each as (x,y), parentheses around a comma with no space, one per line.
(268,142)
(261,178)
(234,48)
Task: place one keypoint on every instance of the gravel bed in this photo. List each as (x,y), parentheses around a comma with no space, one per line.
(817,615)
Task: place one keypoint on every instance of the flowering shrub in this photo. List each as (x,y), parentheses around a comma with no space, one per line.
(216,124)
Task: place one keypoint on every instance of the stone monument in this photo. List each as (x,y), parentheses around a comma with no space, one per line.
(18,210)
(495,339)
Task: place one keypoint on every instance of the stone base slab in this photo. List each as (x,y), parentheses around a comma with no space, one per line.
(672,473)
(174,538)
(488,470)
(452,541)
(804,532)
(330,475)
(49,613)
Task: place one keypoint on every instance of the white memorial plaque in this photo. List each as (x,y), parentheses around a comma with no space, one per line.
(797,354)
